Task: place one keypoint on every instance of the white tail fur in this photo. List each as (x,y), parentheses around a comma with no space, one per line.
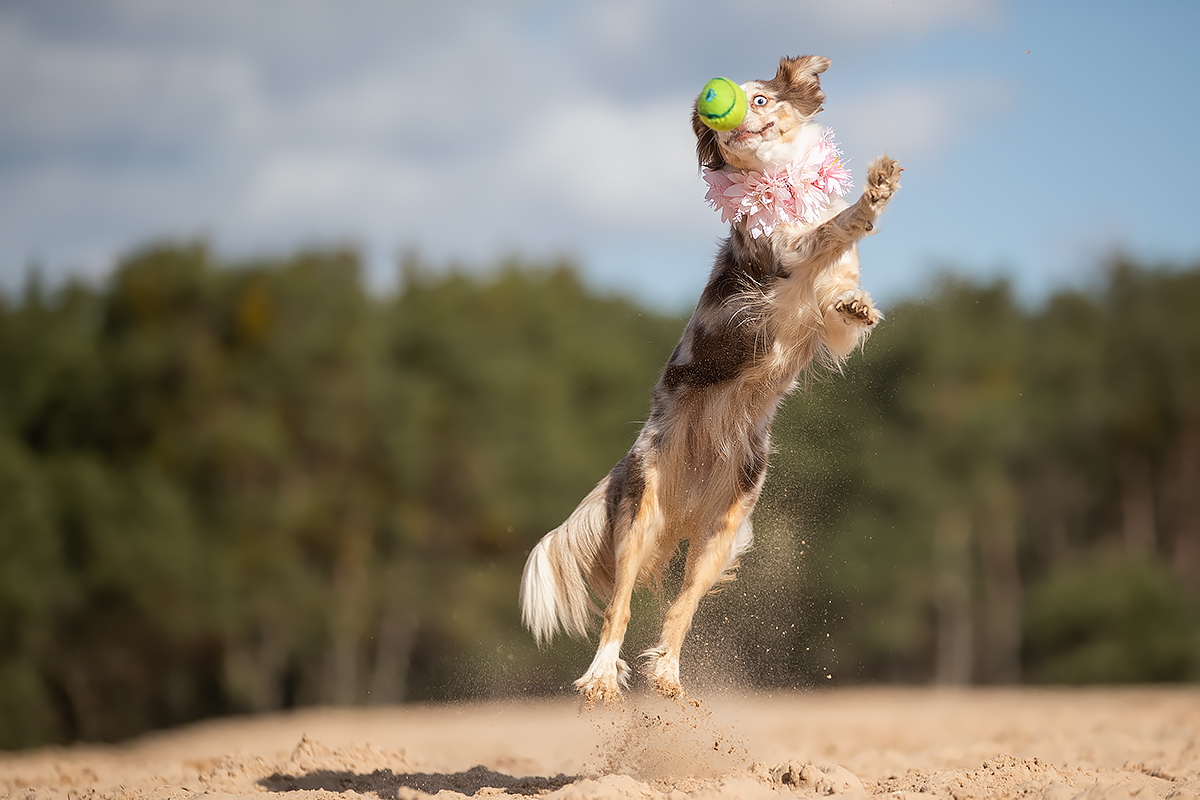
(555,584)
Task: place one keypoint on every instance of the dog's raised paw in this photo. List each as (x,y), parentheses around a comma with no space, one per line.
(883,179)
(856,306)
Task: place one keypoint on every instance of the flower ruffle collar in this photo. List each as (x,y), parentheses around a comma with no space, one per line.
(797,192)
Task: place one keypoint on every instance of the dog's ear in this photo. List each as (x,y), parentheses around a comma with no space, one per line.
(797,82)
(802,67)
(707,152)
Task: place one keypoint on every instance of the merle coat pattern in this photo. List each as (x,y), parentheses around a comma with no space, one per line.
(773,306)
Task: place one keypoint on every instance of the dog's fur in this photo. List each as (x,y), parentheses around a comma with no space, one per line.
(772,306)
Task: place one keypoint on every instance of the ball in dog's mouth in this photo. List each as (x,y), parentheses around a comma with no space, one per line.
(722,104)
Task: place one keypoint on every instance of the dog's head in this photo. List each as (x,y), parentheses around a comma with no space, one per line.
(778,110)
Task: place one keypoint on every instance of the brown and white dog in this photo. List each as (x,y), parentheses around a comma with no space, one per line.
(772,306)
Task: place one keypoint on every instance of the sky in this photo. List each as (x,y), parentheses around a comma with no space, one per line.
(1038,138)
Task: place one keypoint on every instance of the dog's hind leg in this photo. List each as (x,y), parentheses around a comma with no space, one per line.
(636,542)
(708,561)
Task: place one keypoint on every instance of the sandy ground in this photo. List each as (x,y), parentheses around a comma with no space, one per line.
(907,744)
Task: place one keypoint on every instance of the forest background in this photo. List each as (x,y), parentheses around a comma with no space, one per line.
(237,486)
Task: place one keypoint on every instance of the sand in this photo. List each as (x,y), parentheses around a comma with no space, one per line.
(906,744)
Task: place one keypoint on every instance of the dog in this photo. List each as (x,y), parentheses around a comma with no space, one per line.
(776,302)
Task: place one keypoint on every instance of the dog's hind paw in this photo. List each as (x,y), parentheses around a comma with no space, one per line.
(883,179)
(603,685)
(663,672)
(669,688)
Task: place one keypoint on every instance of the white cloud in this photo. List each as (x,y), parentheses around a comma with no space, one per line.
(618,25)
(918,120)
(612,162)
(882,19)
(331,188)
(533,126)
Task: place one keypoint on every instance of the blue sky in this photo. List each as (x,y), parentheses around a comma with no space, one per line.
(1038,138)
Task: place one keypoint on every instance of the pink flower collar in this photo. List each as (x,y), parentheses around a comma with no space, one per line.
(793,193)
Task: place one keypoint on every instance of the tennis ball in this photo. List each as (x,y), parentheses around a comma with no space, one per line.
(722,104)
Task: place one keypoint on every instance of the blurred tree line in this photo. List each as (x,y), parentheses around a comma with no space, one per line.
(236,487)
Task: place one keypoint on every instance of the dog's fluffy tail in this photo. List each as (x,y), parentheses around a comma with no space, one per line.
(561,567)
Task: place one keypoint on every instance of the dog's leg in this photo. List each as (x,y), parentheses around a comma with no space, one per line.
(707,561)
(847,310)
(608,673)
(826,244)
(829,254)
(848,320)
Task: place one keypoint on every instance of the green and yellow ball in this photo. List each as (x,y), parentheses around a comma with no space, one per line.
(722,104)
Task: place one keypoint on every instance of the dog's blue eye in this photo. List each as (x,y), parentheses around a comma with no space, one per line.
(760,100)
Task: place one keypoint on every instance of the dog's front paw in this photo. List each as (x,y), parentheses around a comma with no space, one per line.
(855,306)
(603,684)
(883,179)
